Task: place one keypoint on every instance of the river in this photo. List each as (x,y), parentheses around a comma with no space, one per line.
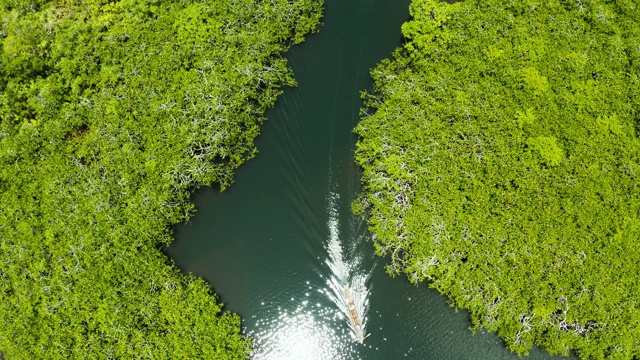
(281,245)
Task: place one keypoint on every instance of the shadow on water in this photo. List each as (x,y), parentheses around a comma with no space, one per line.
(281,244)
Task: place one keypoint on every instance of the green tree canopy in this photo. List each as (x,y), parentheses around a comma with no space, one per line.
(111,112)
(502,164)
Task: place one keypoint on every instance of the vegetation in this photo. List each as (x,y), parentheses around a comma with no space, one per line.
(502,164)
(111,112)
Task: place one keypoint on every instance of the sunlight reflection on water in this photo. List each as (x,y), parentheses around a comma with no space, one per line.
(309,332)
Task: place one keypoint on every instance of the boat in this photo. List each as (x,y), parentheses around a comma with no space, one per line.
(355,318)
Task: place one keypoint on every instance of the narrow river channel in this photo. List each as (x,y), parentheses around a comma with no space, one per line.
(280,246)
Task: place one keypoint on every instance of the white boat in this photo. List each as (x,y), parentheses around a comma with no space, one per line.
(353,315)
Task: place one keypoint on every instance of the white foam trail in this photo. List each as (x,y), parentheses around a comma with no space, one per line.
(346,273)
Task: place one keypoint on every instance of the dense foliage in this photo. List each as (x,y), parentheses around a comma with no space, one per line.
(110,113)
(502,164)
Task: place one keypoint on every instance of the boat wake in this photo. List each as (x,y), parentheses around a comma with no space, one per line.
(348,279)
(313,329)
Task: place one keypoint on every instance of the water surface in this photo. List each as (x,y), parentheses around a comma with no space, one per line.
(280,245)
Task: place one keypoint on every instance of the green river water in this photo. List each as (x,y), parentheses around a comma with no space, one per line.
(280,245)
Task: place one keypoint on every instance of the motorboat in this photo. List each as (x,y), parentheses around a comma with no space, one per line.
(354,317)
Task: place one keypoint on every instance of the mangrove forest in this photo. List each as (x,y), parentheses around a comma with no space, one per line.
(499,158)
(502,166)
(111,113)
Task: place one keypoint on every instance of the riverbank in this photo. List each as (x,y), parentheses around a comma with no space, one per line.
(500,157)
(111,115)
